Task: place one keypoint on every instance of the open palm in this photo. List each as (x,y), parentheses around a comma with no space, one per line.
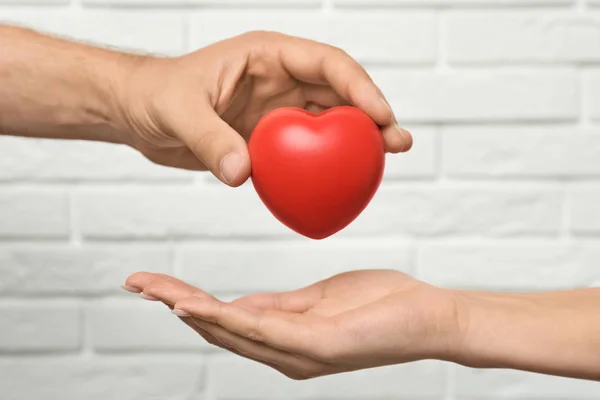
(355,320)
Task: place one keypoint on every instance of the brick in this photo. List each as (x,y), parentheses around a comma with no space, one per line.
(240,267)
(142,326)
(101,378)
(149,32)
(583,209)
(220,3)
(38,2)
(516,265)
(509,384)
(41,159)
(413,33)
(521,152)
(238,213)
(217,211)
(33,326)
(69,270)
(492,95)
(419,162)
(592,83)
(460,211)
(377,383)
(33,213)
(506,37)
(451,3)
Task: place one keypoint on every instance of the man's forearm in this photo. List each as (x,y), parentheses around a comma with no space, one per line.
(58,89)
(555,333)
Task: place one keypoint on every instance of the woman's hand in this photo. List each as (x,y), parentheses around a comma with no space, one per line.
(351,321)
(198,111)
(371,318)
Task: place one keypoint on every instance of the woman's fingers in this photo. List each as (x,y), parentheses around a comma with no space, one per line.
(295,367)
(169,290)
(294,301)
(136,283)
(162,287)
(237,329)
(293,333)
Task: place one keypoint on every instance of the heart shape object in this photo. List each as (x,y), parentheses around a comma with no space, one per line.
(316,172)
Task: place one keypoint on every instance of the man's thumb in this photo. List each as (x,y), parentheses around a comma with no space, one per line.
(220,148)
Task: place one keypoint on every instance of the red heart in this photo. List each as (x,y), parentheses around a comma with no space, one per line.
(316,173)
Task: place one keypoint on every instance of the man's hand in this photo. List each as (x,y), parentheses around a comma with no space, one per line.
(352,321)
(194,112)
(198,111)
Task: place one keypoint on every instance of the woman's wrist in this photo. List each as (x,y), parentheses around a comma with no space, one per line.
(490,325)
(554,333)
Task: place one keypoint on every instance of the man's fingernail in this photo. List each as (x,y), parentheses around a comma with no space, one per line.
(230,166)
(148,297)
(131,289)
(406,137)
(181,313)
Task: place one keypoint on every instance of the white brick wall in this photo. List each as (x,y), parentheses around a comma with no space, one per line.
(500,192)
(72,377)
(523,36)
(31,326)
(421,380)
(414,33)
(60,269)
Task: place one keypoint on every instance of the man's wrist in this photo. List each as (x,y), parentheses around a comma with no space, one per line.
(446,314)
(55,88)
(110,78)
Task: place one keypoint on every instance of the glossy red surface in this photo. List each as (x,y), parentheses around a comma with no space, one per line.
(316,173)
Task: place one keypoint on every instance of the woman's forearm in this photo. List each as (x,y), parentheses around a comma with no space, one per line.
(58,89)
(555,333)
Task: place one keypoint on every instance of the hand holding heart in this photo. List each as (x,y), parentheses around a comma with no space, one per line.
(352,321)
(198,111)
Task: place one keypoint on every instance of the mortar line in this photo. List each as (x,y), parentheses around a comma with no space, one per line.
(565,231)
(584,115)
(581,6)
(441,42)
(174,259)
(86,330)
(450,377)
(187,40)
(75,237)
(440,175)
(209,390)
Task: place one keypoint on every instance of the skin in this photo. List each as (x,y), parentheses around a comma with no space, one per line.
(194,112)
(197,112)
(374,318)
